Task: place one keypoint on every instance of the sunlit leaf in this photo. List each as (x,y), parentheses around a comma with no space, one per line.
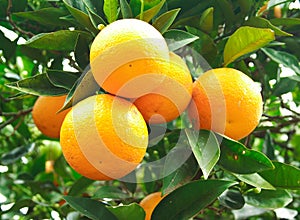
(125,212)
(245,40)
(164,21)
(177,39)
(206,149)
(256,180)
(207,20)
(150,13)
(110,9)
(189,199)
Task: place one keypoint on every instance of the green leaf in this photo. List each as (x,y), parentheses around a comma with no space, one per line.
(39,85)
(207,20)
(189,199)
(46,16)
(14,155)
(20,204)
(236,158)
(180,176)
(110,9)
(110,192)
(62,79)
(232,198)
(206,149)
(125,9)
(245,40)
(270,199)
(79,186)
(82,52)
(7,46)
(125,212)
(284,58)
(93,209)
(256,180)
(164,21)
(260,22)
(96,19)
(80,15)
(285,21)
(150,13)
(283,176)
(284,85)
(177,39)
(65,40)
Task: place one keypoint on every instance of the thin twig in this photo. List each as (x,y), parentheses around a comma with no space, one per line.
(15,117)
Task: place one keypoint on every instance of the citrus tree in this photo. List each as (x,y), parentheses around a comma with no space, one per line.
(227,60)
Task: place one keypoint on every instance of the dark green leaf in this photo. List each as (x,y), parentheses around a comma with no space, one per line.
(110,192)
(285,21)
(125,9)
(245,40)
(7,46)
(82,52)
(79,186)
(96,19)
(260,22)
(180,176)
(189,199)
(285,85)
(164,21)
(80,15)
(125,212)
(232,199)
(110,9)
(39,85)
(268,146)
(256,180)
(236,158)
(283,176)
(150,13)
(62,79)
(65,40)
(284,58)
(177,39)
(46,16)
(93,209)
(207,20)
(20,204)
(270,199)
(206,149)
(16,154)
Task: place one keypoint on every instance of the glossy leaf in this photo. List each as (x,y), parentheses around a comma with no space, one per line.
(284,86)
(271,199)
(255,180)
(96,19)
(232,199)
(245,40)
(236,158)
(283,176)
(65,40)
(207,20)
(80,15)
(39,85)
(125,212)
(110,192)
(206,149)
(177,39)
(91,208)
(79,186)
(189,199)
(16,154)
(180,176)
(264,23)
(150,13)
(82,52)
(125,9)
(110,9)
(285,21)
(46,16)
(283,58)
(62,79)
(7,46)
(164,21)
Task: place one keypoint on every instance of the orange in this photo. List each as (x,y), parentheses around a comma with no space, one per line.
(45,116)
(171,97)
(123,57)
(150,202)
(227,101)
(104,137)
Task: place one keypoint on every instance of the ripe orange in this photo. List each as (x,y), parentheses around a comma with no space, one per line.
(227,101)
(171,97)
(104,137)
(150,202)
(45,116)
(124,56)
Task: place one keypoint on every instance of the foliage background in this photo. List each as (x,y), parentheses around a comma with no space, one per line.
(46,53)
